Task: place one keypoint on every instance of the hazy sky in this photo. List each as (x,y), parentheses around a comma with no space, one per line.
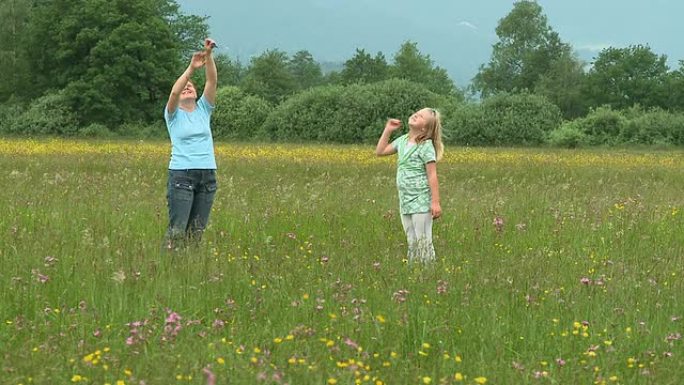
(457,34)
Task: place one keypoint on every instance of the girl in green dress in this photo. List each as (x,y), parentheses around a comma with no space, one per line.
(418,152)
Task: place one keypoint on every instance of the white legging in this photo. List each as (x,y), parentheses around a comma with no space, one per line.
(418,229)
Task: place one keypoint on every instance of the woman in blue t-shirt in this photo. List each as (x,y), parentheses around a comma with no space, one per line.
(192,170)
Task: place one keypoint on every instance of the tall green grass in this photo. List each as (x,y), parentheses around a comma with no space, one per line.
(301,278)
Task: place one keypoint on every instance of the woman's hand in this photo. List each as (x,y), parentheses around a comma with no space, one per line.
(197,60)
(209,44)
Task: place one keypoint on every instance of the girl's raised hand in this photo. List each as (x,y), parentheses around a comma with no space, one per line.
(392,124)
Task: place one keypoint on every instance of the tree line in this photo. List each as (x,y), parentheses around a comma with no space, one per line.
(105,67)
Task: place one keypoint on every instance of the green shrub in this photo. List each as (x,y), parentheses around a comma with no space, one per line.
(9,113)
(301,116)
(653,127)
(143,130)
(504,119)
(467,126)
(50,114)
(602,126)
(519,119)
(238,115)
(95,130)
(568,135)
(351,114)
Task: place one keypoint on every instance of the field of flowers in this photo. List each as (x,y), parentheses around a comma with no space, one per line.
(555,267)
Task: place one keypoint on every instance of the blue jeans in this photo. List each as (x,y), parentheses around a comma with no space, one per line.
(190,195)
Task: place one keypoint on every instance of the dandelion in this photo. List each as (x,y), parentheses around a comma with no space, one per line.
(332,381)
(221,361)
(76,378)
(427,380)
(458,377)
(481,380)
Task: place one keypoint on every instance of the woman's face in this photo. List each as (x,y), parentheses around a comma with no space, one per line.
(189,92)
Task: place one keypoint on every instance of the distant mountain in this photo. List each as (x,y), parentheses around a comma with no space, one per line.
(458,35)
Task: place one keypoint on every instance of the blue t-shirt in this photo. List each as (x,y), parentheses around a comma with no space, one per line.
(191,143)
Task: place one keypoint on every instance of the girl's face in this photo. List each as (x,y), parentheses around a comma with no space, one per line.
(420,118)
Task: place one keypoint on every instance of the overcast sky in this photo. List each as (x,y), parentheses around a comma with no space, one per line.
(457,34)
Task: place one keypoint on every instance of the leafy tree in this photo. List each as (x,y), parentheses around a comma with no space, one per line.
(230,72)
(674,89)
(269,77)
(306,71)
(15,76)
(622,77)
(189,30)
(562,85)
(526,51)
(115,59)
(410,64)
(364,68)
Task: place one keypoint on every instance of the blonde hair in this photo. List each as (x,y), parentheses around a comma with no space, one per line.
(433,130)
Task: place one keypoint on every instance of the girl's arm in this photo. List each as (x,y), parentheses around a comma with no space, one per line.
(435,207)
(182,81)
(384,147)
(211,72)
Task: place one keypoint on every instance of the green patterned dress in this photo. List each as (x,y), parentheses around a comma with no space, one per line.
(412,181)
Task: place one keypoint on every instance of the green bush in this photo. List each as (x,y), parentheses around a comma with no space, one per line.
(568,135)
(394,98)
(143,130)
(653,127)
(519,119)
(9,113)
(95,130)
(238,115)
(602,126)
(351,114)
(504,119)
(49,114)
(467,126)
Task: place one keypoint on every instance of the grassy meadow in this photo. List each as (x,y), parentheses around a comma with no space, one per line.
(554,267)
